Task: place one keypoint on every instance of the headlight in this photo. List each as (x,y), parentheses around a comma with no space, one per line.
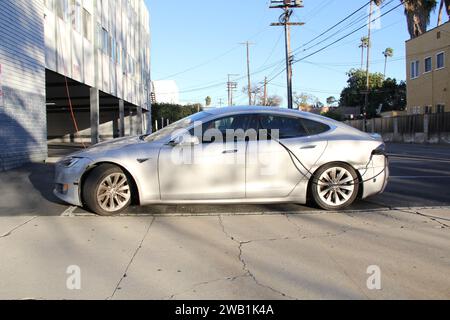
(69,162)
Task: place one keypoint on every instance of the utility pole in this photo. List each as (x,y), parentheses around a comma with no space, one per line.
(284,20)
(265,91)
(220,103)
(249,89)
(231,86)
(366,100)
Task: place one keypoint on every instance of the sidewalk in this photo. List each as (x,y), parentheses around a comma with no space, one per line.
(305,256)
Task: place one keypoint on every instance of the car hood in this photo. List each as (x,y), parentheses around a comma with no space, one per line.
(119,146)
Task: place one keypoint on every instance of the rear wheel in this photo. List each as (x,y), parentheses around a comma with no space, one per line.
(335,186)
(107,190)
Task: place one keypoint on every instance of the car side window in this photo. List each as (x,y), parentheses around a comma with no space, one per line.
(289,127)
(313,127)
(218,129)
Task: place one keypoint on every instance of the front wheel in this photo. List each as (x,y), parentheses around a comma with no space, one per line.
(107,190)
(335,186)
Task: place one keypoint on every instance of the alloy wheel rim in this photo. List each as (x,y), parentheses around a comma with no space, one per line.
(113,193)
(336,186)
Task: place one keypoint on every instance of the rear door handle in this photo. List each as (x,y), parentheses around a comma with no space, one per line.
(308,147)
(230,151)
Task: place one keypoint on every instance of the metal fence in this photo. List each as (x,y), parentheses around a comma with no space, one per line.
(409,128)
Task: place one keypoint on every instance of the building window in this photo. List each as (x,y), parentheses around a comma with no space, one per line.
(99,36)
(427,109)
(440,108)
(62,9)
(428,64)
(50,4)
(440,60)
(415,69)
(106,42)
(76,15)
(87,25)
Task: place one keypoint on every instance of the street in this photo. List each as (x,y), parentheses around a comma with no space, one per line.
(283,251)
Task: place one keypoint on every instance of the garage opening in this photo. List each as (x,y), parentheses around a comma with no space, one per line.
(74,121)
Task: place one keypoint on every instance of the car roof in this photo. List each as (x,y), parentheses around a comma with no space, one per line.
(293,112)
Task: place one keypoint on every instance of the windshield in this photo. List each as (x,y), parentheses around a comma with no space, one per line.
(181,124)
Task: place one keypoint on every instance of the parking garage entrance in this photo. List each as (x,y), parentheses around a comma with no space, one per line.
(78,115)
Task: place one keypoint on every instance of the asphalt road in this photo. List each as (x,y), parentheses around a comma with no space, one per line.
(420,176)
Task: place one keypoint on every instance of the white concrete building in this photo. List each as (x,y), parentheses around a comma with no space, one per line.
(88,56)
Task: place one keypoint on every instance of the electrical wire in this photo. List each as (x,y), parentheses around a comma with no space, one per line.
(348,34)
(340,39)
(334,26)
(71,111)
(355,181)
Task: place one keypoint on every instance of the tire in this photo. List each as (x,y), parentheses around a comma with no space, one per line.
(335,193)
(107,190)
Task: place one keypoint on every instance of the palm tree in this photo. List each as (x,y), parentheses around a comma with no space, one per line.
(364,44)
(388,53)
(418,15)
(441,9)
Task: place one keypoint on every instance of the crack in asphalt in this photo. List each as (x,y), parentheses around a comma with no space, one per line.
(204,283)
(7,234)
(328,235)
(124,275)
(432,218)
(245,268)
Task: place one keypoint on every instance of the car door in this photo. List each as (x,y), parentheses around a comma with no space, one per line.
(214,169)
(272,172)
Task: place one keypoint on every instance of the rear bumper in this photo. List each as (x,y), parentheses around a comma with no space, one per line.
(375,180)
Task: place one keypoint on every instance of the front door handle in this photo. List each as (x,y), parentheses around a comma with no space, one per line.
(230,151)
(308,147)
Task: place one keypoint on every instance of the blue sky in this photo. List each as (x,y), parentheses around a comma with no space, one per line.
(196,43)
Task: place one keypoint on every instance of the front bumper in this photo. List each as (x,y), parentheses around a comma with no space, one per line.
(67,181)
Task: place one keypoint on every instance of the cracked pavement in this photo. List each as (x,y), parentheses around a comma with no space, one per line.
(315,255)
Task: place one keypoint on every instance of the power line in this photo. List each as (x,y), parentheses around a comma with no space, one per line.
(213,59)
(334,26)
(336,41)
(317,9)
(347,35)
(352,23)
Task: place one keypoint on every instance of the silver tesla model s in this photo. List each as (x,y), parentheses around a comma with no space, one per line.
(225,156)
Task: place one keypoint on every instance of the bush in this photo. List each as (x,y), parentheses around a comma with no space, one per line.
(333,115)
(172,112)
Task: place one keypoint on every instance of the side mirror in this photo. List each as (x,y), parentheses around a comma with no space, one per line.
(185,140)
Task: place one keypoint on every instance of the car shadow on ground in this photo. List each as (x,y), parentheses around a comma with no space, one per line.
(29,191)
(41,176)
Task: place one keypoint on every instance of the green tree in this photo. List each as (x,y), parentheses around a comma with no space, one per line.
(208,101)
(418,13)
(364,44)
(331,100)
(446,4)
(304,100)
(388,53)
(172,112)
(333,114)
(389,93)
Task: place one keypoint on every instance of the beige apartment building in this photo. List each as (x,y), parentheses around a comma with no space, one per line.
(428,72)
